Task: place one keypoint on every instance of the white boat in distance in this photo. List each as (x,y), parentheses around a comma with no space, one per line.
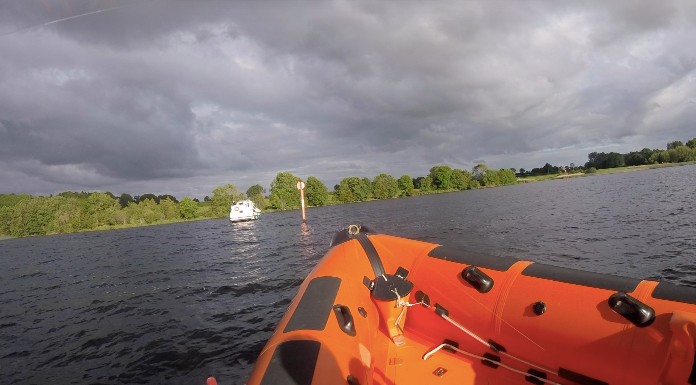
(244,210)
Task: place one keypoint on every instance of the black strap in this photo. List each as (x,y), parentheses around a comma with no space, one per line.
(372,254)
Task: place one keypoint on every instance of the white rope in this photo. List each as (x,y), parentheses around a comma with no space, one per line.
(472,355)
(405,304)
(487,344)
(483,342)
(469,332)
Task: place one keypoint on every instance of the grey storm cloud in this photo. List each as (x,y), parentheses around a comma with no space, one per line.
(181,96)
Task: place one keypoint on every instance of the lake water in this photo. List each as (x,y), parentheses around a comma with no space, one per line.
(177,303)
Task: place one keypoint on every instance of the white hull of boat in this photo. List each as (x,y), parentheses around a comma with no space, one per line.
(244,211)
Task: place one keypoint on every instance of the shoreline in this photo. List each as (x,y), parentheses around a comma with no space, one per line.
(530,179)
(603,171)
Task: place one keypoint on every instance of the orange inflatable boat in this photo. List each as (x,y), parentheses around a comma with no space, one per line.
(380,309)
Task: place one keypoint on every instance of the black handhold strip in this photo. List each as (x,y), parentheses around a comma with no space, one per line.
(372,254)
(293,362)
(314,308)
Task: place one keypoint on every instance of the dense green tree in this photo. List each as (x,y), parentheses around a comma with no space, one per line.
(426,185)
(615,159)
(384,186)
(255,190)
(284,192)
(462,180)
(6,214)
(260,201)
(74,194)
(406,185)
(548,169)
(635,158)
(367,185)
(255,193)
(479,171)
(596,159)
(490,178)
(681,154)
(188,208)
(605,160)
(12,199)
(120,217)
(70,215)
(30,217)
(133,214)
(353,189)
(222,199)
(507,176)
(647,154)
(172,198)
(691,143)
(441,177)
(316,192)
(100,207)
(169,209)
(125,199)
(154,197)
(149,211)
(24,215)
(659,156)
(675,144)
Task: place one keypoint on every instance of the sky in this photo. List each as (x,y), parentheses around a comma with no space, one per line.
(180,96)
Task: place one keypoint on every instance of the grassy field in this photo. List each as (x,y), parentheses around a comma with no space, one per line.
(537,178)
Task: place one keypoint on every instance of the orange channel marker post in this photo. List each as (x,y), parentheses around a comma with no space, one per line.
(301,186)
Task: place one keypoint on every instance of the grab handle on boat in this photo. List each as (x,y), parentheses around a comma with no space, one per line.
(345,319)
(633,310)
(481,281)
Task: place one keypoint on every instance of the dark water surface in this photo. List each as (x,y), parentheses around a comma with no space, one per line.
(174,304)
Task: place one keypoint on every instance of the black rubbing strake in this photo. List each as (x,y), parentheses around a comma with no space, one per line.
(579,277)
(471,258)
(579,378)
(672,292)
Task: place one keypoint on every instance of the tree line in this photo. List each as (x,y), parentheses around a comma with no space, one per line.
(284,194)
(676,152)
(27,215)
